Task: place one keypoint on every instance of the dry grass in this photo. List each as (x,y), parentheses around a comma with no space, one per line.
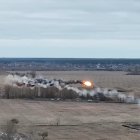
(90,121)
(104,79)
(76,120)
(101,78)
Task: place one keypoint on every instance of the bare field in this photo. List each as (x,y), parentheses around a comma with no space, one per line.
(99,121)
(77,120)
(104,79)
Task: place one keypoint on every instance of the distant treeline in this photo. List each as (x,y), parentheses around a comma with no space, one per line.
(67,64)
(70,60)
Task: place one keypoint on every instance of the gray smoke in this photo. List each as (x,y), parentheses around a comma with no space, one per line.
(98,93)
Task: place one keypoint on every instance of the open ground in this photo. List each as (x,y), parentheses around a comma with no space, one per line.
(105,79)
(78,120)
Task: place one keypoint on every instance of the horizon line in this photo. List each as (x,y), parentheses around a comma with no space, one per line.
(62,58)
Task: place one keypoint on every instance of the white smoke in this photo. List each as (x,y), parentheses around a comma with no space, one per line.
(107,93)
(73,89)
(57,85)
(12,79)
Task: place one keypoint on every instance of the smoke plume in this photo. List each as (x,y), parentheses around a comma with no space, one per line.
(100,94)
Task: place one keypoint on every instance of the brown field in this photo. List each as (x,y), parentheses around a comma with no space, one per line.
(101,78)
(77,120)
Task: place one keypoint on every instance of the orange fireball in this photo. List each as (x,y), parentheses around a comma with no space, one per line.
(88,84)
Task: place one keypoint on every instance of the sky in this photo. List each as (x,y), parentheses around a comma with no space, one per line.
(70,28)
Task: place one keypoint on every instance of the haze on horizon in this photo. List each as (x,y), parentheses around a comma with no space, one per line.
(70,28)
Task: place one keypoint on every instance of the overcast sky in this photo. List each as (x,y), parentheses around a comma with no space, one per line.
(70,28)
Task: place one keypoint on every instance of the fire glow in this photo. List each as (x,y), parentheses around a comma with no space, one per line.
(88,84)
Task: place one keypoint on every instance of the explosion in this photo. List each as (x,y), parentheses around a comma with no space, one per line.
(24,86)
(87,84)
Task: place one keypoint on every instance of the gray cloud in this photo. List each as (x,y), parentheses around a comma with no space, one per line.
(70,48)
(70,21)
